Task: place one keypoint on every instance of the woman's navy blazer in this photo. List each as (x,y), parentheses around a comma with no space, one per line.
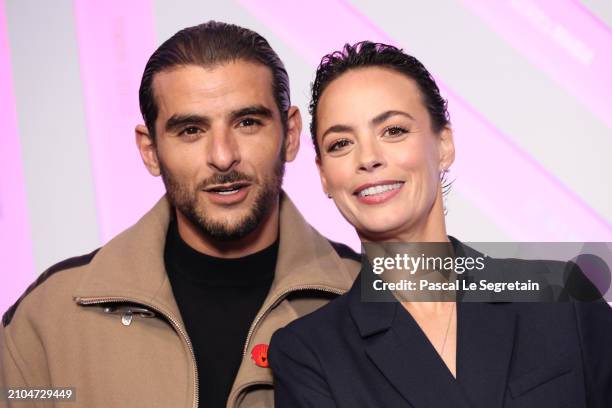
(365,354)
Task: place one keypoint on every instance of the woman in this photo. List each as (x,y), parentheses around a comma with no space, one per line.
(384,143)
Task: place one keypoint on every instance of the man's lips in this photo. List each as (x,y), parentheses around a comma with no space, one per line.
(226,188)
(228,194)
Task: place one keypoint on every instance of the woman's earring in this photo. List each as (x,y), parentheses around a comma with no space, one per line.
(328,195)
(443,174)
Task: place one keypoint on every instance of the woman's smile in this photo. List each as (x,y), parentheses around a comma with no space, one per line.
(378,192)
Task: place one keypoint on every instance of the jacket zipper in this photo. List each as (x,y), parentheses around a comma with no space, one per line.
(168,316)
(264,312)
(278,299)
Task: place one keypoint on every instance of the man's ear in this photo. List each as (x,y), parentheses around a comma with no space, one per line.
(447,148)
(294,130)
(147,149)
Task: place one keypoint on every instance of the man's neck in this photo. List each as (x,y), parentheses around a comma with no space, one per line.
(260,238)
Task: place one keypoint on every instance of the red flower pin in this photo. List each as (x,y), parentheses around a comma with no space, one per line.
(259,354)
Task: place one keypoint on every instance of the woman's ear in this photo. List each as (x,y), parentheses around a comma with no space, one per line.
(294,130)
(322,176)
(147,149)
(446,148)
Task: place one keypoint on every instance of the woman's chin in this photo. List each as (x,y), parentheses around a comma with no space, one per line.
(373,230)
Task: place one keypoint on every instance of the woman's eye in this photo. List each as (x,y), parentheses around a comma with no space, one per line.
(337,145)
(395,131)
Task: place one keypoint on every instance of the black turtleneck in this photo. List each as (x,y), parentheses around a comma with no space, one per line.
(218,299)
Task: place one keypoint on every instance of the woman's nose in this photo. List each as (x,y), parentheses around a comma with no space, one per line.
(370,158)
(370,165)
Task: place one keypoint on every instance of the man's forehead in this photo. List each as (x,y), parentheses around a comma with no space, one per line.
(222,87)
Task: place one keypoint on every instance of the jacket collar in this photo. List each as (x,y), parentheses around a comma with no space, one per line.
(395,344)
(374,317)
(306,260)
(131,265)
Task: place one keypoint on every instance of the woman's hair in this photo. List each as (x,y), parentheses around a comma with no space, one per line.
(368,54)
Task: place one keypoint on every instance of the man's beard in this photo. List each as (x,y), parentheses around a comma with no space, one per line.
(186,201)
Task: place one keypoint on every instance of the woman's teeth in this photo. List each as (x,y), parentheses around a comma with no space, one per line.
(379,189)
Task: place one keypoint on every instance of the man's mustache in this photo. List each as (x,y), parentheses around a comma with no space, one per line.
(233,176)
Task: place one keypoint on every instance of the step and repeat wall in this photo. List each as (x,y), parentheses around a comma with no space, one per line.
(528,86)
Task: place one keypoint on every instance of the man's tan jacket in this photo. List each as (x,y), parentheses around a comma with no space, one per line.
(107,324)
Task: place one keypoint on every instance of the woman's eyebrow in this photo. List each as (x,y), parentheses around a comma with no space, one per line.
(380,118)
(336,129)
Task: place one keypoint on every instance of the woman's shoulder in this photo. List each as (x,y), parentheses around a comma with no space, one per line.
(328,328)
(325,320)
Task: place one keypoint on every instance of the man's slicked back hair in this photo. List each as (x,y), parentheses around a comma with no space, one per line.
(210,44)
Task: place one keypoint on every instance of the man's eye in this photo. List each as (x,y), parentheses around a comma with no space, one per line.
(395,131)
(248,122)
(339,144)
(190,131)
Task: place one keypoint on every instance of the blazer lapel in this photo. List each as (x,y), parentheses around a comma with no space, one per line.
(409,362)
(401,352)
(485,338)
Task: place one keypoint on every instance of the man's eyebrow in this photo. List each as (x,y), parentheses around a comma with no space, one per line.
(378,119)
(255,110)
(176,121)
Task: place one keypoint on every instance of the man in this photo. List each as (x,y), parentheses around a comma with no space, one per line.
(177,311)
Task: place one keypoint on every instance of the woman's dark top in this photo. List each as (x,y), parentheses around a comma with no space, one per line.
(352,353)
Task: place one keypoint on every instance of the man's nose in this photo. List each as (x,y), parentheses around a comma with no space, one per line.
(223,151)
